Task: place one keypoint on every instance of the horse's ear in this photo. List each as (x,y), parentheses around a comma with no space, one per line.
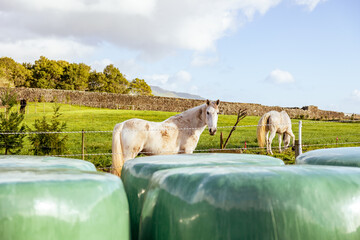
(218,102)
(207,102)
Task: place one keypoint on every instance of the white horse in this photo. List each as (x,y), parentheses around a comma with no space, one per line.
(177,134)
(274,122)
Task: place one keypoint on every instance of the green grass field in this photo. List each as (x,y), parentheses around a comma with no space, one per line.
(315,134)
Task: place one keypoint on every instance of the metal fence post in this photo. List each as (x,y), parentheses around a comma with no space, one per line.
(298,143)
(83,144)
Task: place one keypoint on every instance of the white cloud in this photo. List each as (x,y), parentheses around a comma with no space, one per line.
(310,4)
(137,7)
(130,68)
(151,27)
(30,50)
(278,76)
(181,76)
(157,79)
(355,96)
(199,60)
(180,81)
(99,65)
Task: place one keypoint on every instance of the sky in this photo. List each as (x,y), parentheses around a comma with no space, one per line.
(288,53)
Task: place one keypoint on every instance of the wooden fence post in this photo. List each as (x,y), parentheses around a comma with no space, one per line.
(83,144)
(221,141)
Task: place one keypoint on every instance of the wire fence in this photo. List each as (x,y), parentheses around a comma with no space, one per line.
(95,146)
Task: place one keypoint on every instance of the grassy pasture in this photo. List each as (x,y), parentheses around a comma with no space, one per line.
(315,134)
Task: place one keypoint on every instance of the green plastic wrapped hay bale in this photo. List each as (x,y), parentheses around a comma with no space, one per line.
(136,173)
(347,156)
(44,162)
(59,205)
(291,202)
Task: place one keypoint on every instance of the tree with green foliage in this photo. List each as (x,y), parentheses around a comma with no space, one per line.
(11,127)
(74,77)
(51,74)
(13,74)
(115,80)
(8,98)
(66,77)
(45,73)
(81,76)
(97,82)
(51,143)
(140,87)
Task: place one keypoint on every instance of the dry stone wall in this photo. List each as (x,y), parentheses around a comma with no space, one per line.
(121,101)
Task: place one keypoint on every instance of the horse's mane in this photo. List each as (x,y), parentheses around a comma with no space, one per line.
(190,116)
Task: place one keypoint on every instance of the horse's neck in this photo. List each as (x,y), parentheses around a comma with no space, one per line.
(192,118)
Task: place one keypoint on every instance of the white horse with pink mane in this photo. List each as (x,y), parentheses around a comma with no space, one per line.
(177,134)
(274,122)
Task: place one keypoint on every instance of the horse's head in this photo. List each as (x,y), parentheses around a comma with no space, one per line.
(286,139)
(212,111)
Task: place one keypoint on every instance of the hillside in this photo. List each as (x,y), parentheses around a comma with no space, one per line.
(158,91)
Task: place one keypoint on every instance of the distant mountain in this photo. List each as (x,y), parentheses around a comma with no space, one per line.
(158,91)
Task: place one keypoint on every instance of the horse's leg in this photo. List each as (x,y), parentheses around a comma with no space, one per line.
(132,146)
(267,141)
(272,135)
(280,137)
(290,132)
(186,150)
(189,146)
(129,155)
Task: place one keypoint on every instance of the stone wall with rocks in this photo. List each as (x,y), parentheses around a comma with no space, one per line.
(121,101)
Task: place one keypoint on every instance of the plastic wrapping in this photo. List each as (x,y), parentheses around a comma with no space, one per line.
(136,173)
(66,204)
(347,156)
(291,202)
(44,162)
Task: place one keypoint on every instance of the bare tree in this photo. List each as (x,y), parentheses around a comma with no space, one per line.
(241,115)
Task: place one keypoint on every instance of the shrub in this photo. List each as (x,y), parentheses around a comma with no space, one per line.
(49,143)
(11,125)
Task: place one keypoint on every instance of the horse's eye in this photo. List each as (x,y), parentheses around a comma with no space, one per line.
(207,113)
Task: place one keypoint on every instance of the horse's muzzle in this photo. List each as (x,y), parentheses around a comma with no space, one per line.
(212,132)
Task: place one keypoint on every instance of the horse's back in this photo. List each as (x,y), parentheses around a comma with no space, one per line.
(279,121)
(133,131)
(140,125)
(281,116)
(274,117)
(285,117)
(152,137)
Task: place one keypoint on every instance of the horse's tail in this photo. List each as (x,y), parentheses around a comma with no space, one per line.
(117,154)
(261,129)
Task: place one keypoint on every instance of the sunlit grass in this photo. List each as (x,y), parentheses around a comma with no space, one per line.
(315,134)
